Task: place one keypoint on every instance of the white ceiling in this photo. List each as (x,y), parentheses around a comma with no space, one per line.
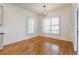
(38,7)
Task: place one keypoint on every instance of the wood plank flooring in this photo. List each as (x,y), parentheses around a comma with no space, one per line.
(39,46)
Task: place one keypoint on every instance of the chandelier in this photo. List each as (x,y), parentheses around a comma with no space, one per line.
(44,13)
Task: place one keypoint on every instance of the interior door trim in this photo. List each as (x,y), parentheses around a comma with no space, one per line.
(77,28)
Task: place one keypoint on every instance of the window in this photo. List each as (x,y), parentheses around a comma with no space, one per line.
(51,25)
(30,26)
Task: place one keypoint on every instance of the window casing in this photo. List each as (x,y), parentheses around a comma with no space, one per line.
(30,25)
(51,25)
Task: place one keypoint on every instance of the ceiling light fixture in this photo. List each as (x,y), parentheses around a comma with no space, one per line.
(44,13)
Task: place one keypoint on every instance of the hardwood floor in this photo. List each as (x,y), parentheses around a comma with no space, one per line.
(39,46)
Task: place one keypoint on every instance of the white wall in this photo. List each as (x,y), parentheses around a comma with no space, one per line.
(75,26)
(66,24)
(15,23)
